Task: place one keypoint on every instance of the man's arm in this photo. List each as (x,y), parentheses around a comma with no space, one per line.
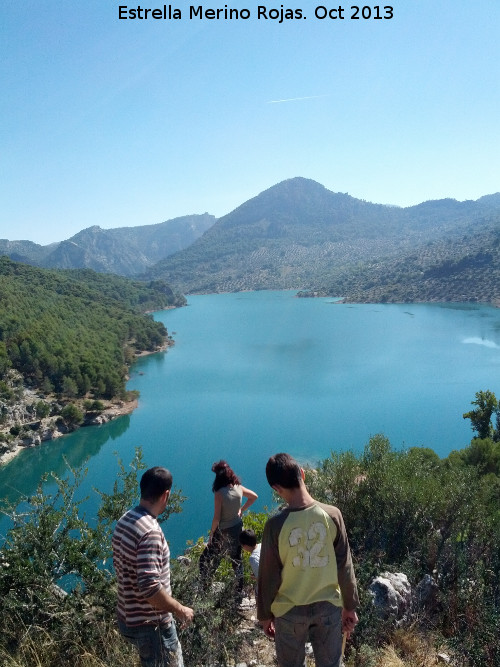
(345,569)
(347,579)
(165,602)
(270,566)
(153,576)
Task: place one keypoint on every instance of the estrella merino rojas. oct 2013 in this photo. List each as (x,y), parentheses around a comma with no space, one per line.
(260,12)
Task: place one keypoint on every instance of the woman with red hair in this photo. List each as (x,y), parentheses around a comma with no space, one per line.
(226,523)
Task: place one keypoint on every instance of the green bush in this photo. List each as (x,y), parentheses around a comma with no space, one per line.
(93,406)
(6,392)
(42,409)
(413,512)
(49,543)
(71,414)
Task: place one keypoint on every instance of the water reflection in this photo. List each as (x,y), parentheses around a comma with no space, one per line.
(22,475)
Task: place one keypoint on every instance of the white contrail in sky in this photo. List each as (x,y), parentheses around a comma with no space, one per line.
(296,99)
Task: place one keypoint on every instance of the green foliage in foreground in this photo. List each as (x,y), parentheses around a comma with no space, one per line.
(57,587)
(75,331)
(413,512)
(406,511)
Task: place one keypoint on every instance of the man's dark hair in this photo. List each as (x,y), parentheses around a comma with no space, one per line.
(247,538)
(283,470)
(154,482)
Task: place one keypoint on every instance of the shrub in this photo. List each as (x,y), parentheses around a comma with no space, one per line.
(57,586)
(6,392)
(71,414)
(42,409)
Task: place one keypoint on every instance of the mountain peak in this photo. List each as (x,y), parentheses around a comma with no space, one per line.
(94,230)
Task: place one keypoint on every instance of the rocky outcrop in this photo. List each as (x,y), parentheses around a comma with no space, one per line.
(392,596)
(426,596)
(21,412)
(22,427)
(395,599)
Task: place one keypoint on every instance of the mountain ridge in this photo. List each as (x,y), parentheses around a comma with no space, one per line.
(299,235)
(126,251)
(296,234)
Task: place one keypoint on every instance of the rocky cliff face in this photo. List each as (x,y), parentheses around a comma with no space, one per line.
(20,424)
(28,417)
(126,251)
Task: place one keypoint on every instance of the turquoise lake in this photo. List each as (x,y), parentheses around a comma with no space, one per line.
(255,373)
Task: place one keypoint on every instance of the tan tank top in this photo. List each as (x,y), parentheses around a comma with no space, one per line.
(231,503)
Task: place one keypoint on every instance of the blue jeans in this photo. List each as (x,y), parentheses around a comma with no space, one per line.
(158,646)
(321,624)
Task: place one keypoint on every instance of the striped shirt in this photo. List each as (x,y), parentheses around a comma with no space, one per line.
(141,559)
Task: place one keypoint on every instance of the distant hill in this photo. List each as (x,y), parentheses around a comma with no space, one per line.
(297,234)
(125,251)
(464,269)
(25,251)
(97,249)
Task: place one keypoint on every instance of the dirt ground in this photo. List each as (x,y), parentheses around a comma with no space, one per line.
(257,648)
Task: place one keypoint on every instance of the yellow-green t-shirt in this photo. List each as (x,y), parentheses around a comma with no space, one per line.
(305,558)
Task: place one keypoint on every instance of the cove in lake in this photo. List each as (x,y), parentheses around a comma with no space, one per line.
(259,372)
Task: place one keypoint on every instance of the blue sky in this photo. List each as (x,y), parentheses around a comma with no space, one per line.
(131,122)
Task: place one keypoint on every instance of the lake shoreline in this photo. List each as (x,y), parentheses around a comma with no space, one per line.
(112,410)
(110,413)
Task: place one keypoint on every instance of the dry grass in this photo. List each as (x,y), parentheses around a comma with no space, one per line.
(388,657)
(39,649)
(414,649)
(407,648)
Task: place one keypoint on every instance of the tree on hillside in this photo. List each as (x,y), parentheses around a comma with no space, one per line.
(71,414)
(487,406)
(483,454)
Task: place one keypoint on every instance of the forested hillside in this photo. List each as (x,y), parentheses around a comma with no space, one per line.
(465,269)
(74,332)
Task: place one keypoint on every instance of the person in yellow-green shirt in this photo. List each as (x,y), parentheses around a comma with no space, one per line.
(306,586)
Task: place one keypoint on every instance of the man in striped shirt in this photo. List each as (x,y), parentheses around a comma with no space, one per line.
(141,558)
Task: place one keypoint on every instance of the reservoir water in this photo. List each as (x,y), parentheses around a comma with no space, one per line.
(259,372)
